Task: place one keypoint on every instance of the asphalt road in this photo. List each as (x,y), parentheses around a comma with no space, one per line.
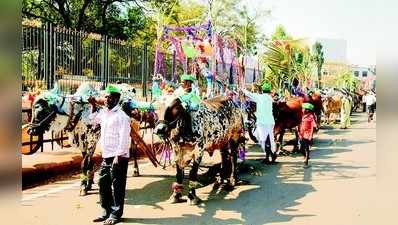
(336,189)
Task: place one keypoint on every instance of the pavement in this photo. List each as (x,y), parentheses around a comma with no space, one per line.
(336,189)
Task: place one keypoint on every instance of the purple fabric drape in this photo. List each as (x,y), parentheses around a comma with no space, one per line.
(174,67)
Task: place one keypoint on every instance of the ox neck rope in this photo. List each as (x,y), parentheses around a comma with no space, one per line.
(71,124)
(172,123)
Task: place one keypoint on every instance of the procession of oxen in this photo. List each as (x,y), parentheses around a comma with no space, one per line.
(223,123)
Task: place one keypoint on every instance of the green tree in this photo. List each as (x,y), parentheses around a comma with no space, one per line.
(318,59)
(116,18)
(280,34)
(347,80)
(286,60)
(231,18)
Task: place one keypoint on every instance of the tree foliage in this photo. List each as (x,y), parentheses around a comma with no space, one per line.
(232,19)
(287,58)
(347,80)
(318,59)
(116,18)
(280,34)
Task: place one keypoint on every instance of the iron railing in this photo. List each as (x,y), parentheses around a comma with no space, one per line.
(69,57)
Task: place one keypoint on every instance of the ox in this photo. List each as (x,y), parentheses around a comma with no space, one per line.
(332,106)
(217,124)
(54,112)
(288,115)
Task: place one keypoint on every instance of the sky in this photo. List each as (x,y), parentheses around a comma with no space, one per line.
(370,27)
(360,22)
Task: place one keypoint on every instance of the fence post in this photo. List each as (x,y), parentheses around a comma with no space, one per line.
(48,55)
(144,71)
(105,62)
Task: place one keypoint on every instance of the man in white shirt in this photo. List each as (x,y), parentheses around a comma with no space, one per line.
(370,100)
(115,143)
(265,121)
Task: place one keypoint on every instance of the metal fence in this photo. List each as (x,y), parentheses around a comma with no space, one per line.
(69,57)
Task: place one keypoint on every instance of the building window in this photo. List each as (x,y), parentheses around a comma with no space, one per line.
(356,73)
(364,73)
(325,72)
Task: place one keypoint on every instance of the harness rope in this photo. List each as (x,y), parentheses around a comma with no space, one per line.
(70,124)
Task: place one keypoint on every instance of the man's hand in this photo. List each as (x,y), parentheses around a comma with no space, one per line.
(115,161)
(92,100)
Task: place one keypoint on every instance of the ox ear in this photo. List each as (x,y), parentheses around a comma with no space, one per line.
(56,90)
(84,91)
(52,95)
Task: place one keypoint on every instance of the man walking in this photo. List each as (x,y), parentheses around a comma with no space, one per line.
(114,142)
(345,112)
(370,100)
(265,120)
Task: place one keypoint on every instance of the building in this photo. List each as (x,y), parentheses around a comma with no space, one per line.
(335,54)
(367,76)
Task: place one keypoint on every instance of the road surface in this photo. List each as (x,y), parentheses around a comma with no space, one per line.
(336,189)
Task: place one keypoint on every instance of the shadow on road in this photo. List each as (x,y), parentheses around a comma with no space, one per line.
(273,194)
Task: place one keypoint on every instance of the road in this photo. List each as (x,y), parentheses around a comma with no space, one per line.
(336,189)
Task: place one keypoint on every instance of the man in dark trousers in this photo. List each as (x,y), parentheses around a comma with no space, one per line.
(114,142)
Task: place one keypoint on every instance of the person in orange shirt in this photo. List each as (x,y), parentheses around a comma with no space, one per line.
(306,130)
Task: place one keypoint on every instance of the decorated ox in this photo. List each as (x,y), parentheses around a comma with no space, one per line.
(53,111)
(217,124)
(287,115)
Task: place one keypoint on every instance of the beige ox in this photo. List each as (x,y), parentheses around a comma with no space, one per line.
(331,106)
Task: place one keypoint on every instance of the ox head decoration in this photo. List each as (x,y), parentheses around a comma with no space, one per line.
(53,111)
(171,118)
(170,127)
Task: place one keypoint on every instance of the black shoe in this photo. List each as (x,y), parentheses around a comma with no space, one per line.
(99,219)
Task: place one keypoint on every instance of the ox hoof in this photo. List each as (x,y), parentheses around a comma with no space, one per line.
(83,192)
(136,173)
(175,198)
(227,187)
(232,182)
(194,201)
(216,186)
(89,186)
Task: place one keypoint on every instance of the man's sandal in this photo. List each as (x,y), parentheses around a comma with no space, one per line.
(99,219)
(111,221)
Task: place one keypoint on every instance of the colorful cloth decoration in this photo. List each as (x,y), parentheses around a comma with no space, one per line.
(156,91)
(189,50)
(308,106)
(208,49)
